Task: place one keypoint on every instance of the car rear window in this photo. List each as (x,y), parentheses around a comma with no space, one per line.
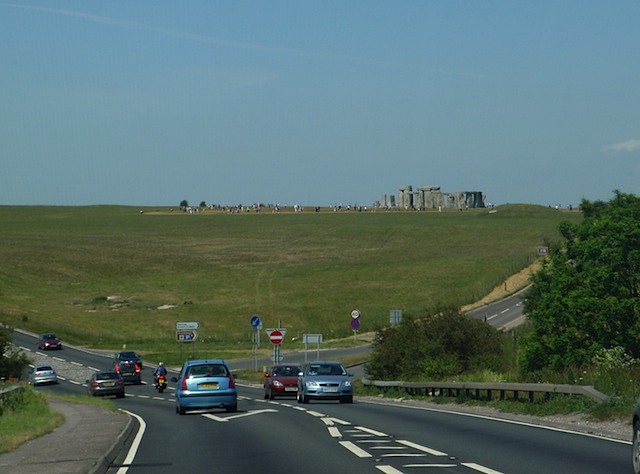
(107,375)
(42,368)
(207,370)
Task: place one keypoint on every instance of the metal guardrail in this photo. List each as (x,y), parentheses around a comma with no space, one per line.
(488,389)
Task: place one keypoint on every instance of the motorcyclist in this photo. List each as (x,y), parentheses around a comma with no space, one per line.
(160,370)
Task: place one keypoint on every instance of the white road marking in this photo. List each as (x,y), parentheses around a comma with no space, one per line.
(335,432)
(370,431)
(479,468)
(388,469)
(419,447)
(134,445)
(361,453)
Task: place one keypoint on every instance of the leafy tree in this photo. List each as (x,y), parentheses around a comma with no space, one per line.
(184,203)
(442,343)
(13,362)
(203,204)
(585,297)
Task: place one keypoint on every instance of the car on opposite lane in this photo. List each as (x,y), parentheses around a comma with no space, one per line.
(48,341)
(205,384)
(43,374)
(106,383)
(325,381)
(281,380)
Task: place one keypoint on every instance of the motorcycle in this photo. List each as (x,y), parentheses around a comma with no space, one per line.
(161,383)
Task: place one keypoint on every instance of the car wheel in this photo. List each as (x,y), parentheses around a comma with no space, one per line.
(305,399)
(120,395)
(348,399)
(266,395)
(299,397)
(232,408)
(271,395)
(180,410)
(635,448)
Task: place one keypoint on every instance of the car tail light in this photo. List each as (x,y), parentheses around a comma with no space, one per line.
(232,382)
(184,384)
(120,382)
(94,383)
(137,368)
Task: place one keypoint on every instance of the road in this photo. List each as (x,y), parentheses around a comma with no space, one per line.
(282,435)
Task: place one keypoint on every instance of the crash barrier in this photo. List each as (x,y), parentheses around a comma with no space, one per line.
(486,390)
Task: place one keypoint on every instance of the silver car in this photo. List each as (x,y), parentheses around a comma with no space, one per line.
(325,381)
(43,374)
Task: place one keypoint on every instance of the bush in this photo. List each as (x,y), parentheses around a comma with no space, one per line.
(440,344)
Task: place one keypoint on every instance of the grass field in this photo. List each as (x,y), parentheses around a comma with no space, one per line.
(104,276)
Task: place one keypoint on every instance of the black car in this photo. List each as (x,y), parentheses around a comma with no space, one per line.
(635,443)
(129,372)
(49,340)
(129,357)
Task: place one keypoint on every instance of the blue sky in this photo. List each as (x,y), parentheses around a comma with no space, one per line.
(317,102)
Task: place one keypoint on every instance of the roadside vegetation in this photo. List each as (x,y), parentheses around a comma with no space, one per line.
(583,324)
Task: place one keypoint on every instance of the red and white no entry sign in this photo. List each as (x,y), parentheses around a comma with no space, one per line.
(276,337)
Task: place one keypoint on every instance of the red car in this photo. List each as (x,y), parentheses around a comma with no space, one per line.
(49,341)
(281,381)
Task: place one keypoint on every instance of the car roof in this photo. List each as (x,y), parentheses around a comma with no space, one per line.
(42,367)
(48,334)
(189,363)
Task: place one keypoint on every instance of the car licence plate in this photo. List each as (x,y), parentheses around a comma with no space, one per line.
(330,390)
(108,384)
(291,389)
(209,385)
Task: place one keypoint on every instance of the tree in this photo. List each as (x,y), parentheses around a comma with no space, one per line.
(584,299)
(442,343)
(13,362)
(184,204)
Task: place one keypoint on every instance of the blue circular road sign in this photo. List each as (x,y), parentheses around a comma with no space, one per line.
(255,321)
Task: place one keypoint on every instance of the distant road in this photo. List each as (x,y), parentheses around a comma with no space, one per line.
(504,314)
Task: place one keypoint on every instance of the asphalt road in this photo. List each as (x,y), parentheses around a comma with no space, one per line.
(282,435)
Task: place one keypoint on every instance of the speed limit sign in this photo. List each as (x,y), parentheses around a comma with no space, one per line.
(355,314)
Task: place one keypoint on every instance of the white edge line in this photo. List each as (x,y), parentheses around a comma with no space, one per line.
(501,420)
(419,447)
(134,445)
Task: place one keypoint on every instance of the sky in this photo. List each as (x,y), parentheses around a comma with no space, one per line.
(150,103)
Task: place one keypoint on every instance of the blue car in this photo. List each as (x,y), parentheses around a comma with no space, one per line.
(205,384)
(325,381)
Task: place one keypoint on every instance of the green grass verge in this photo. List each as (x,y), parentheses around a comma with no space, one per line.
(105,276)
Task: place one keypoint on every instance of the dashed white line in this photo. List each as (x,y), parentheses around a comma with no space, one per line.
(388,469)
(370,431)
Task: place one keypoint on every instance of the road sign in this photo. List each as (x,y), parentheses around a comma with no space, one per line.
(187,325)
(355,323)
(355,314)
(312,338)
(276,336)
(255,321)
(186,336)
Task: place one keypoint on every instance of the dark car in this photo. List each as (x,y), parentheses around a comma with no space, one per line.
(48,341)
(635,443)
(281,380)
(106,383)
(42,374)
(130,372)
(325,381)
(205,384)
(127,356)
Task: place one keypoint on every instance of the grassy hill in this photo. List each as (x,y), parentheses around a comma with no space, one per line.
(104,276)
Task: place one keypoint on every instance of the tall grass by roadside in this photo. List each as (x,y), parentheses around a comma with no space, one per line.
(105,276)
(26,415)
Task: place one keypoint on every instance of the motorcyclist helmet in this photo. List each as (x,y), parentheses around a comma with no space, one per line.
(160,364)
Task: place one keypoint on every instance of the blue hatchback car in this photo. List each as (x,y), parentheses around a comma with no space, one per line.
(205,384)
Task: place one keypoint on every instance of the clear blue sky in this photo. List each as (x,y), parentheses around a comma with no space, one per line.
(317,102)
